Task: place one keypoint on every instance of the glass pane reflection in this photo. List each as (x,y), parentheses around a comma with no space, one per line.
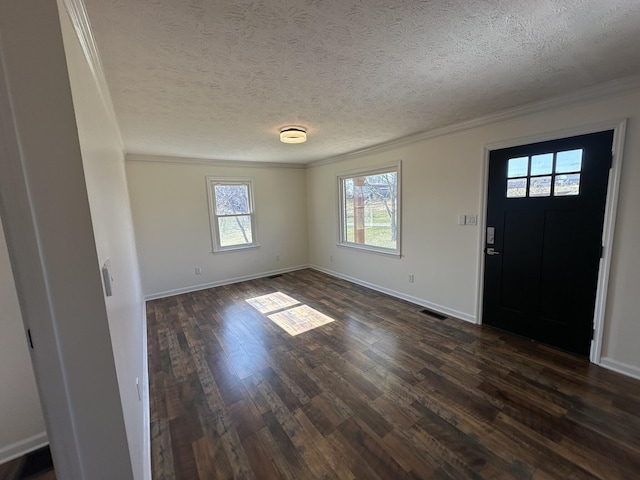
(517,188)
(569,161)
(567,185)
(542,164)
(540,186)
(518,167)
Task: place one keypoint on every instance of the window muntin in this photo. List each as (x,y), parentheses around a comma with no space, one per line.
(232,213)
(370,209)
(544,175)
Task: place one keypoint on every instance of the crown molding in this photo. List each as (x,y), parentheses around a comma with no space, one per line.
(603,90)
(82,26)
(139,158)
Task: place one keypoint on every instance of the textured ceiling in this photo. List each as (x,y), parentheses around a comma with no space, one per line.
(217,79)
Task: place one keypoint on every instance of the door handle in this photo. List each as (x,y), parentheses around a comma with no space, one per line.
(491,251)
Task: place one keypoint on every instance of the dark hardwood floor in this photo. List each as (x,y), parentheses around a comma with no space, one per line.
(383,392)
(36,465)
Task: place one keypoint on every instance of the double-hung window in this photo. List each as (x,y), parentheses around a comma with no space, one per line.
(232,213)
(370,209)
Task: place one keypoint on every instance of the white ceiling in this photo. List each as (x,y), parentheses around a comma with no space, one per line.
(217,79)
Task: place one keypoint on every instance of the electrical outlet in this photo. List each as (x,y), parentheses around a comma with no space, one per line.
(472,219)
(277,257)
(462,219)
(411,278)
(198,271)
(331,258)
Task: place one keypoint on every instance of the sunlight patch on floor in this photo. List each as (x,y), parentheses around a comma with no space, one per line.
(299,319)
(293,317)
(272,302)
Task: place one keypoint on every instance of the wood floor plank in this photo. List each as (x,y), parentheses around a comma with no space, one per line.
(357,401)
(216,419)
(286,446)
(161,452)
(246,418)
(411,454)
(324,447)
(9,470)
(277,455)
(382,392)
(182,438)
(210,461)
(259,458)
(348,455)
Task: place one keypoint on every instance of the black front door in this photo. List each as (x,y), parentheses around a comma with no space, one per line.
(545,214)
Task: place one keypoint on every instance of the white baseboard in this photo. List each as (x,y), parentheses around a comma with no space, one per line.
(418,301)
(219,283)
(23,447)
(620,367)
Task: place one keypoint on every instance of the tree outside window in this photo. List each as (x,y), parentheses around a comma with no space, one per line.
(232,213)
(369,210)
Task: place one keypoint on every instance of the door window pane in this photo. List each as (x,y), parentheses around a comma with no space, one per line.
(518,167)
(567,185)
(517,188)
(569,161)
(542,164)
(534,178)
(540,187)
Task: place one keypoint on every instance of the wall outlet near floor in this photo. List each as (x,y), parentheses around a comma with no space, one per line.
(411,278)
(198,271)
(331,258)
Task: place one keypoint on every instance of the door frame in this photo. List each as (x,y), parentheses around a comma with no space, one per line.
(613,187)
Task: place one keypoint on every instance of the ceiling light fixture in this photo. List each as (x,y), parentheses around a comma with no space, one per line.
(293,135)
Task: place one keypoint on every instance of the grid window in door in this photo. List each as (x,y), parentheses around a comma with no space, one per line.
(544,175)
(232,213)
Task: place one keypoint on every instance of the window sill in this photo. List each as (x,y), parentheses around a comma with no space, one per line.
(369,249)
(236,248)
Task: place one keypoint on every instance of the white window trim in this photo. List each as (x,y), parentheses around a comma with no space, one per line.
(373,170)
(213,218)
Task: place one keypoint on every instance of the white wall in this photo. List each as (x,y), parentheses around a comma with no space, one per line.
(20,413)
(103,162)
(443,177)
(439,181)
(49,232)
(171,219)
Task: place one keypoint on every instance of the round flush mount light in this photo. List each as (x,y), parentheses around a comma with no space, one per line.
(293,135)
